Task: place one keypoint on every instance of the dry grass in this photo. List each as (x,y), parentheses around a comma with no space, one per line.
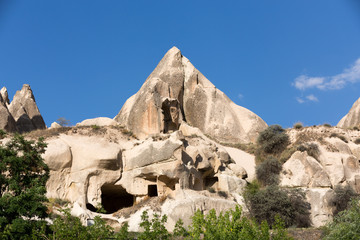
(47,133)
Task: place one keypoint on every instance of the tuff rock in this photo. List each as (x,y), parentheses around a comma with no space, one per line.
(176,92)
(352,118)
(22,113)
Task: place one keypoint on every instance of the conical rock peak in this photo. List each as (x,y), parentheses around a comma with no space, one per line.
(177,92)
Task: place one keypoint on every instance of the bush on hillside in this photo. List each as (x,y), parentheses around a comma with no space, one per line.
(268,171)
(298,125)
(271,141)
(342,197)
(312,149)
(289,205)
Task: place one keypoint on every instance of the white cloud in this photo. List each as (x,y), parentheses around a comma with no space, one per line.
(303,82)
(339,81)
(308,98)
(312,98)
(300,100)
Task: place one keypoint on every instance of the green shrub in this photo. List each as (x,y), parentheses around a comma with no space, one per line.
(70,227)
(312,149)
(290,205)
(342,197)
(357,141)
(345,225)
(271,141)
(95,127)
(298,125)
(232,225)
(341,137)
(268,171)
(2,134)
(327,125)
(154,228)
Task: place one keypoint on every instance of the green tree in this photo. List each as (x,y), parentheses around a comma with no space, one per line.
(63,122)
(23,175)
(154,228)
(345,225)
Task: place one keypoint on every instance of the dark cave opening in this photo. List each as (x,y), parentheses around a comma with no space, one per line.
(152,191)
(114,198)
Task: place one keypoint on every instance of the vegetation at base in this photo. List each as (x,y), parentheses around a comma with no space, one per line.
(23,176)
(345,225)
(226,225)
(357,141)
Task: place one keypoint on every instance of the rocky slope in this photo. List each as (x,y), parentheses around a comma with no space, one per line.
(352,119)
(22,113)
(329,157)
(177,92)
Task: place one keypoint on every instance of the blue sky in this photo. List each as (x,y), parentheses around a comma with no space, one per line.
(287,61)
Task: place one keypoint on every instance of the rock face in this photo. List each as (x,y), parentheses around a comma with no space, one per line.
(177,92)
(24,110)
(351,119)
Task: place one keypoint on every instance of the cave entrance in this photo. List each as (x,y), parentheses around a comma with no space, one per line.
(171,111)
(152,191)
(210,181)
(114,198)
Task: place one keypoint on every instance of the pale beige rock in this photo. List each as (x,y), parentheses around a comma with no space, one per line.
(7,122)
(187,202)
(332,163)
(175,92)
(58,154)
(243,159)
(231,184)
(92,152)
(55,125)
(100,121)
(302,170)
(150,153)
(5,96)
(24,110)
(351,119)
(321,212)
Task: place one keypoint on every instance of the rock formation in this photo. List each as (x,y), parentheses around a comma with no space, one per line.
(117,171)
(177,92)
(22,114)
(352,119)
(7,122)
